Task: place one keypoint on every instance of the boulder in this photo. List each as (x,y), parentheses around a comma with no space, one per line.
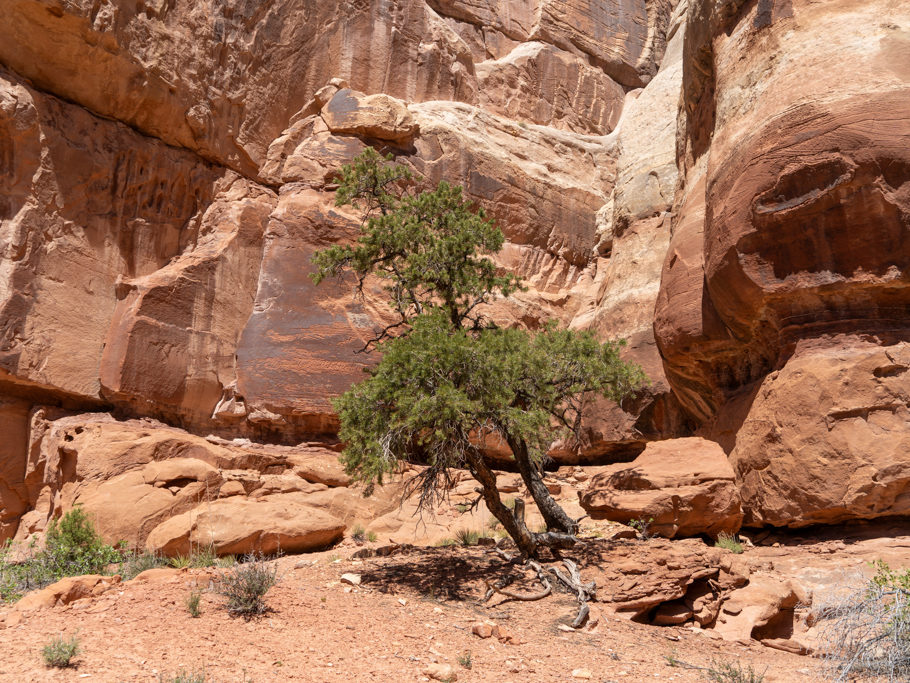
(370,116)
(67,590)
(680,487)
(236,526)
(764,609)
(827,437)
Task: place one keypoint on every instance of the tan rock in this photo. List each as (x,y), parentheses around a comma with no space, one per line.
(67,590)
(827,437)
(762,609)
(682,487)
(239,526)
(440,672)
(483,629)
(370,116)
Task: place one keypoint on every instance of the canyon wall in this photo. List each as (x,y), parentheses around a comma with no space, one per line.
(724,184)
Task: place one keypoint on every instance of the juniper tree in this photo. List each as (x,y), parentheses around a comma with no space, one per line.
(448,378)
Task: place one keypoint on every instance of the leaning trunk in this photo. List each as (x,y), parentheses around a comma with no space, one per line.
(514,525)
(553,514)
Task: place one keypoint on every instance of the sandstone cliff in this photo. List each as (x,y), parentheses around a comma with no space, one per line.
(722,183)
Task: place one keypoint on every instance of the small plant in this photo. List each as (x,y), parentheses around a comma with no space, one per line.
(643,527)
(467,536)
(137,562)
(466,659)
(359,534)
(867,630)
(493,523)
(198,557)
(183,676)
(193,603)
(446,542)
(59,652)
(729,542)
(728,672)
(244,587)
(462,507)
(371,536)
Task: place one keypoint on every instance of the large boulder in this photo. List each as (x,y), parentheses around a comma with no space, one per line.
(827,437)
(680,487)
(238,526)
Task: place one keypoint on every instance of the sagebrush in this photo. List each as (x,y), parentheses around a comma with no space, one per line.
(244,587)
(866,630)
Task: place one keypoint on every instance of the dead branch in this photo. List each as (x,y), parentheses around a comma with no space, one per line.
(525,597)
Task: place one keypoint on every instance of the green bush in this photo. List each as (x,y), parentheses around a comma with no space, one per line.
(729,542)
(193,601)
(60,651)
(244,587)
(73,547)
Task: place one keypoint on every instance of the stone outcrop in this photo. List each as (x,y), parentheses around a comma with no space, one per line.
(677,487)
(826,438)
(167,171)
(783,301)
(238,526)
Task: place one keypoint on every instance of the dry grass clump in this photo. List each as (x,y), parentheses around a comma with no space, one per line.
(866,631)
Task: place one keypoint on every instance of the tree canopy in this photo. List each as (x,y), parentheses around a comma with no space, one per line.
(448,377)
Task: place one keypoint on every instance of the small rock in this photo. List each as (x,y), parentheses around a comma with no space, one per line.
(440,672)
(402,602)
(567,629)
(582,673)
(483,629)
(353,579)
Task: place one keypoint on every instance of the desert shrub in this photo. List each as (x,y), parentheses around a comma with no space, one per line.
(729,672)
(729,542)
(198,557)
(244,587)
(193,601)
(466,659)
(467,536)
(59,652)
(135,562)
(359,534)
(72,547)
(643,527)
(866,630)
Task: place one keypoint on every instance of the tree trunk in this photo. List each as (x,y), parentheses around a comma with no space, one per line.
(516,528)
(553,514)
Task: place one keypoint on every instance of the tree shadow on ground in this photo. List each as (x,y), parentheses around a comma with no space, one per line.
(442,573)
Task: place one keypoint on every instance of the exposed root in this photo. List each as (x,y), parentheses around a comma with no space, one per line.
(571,579)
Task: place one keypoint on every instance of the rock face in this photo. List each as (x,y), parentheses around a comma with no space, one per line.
(679,487)
(167,170)
(783,301)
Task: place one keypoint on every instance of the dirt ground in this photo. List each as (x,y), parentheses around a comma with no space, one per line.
(410,610)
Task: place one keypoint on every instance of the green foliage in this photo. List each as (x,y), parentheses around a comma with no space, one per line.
(642,526)
(72,548)
(59,652)
(198,558)
(729,542)
(429,247)
(437,388)
(193,601)
(244,587)
(469,536)
(466,659)
(448,376)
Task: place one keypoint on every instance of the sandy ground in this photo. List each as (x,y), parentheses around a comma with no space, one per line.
(409,611)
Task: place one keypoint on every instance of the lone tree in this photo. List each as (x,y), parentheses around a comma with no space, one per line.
(449,378)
